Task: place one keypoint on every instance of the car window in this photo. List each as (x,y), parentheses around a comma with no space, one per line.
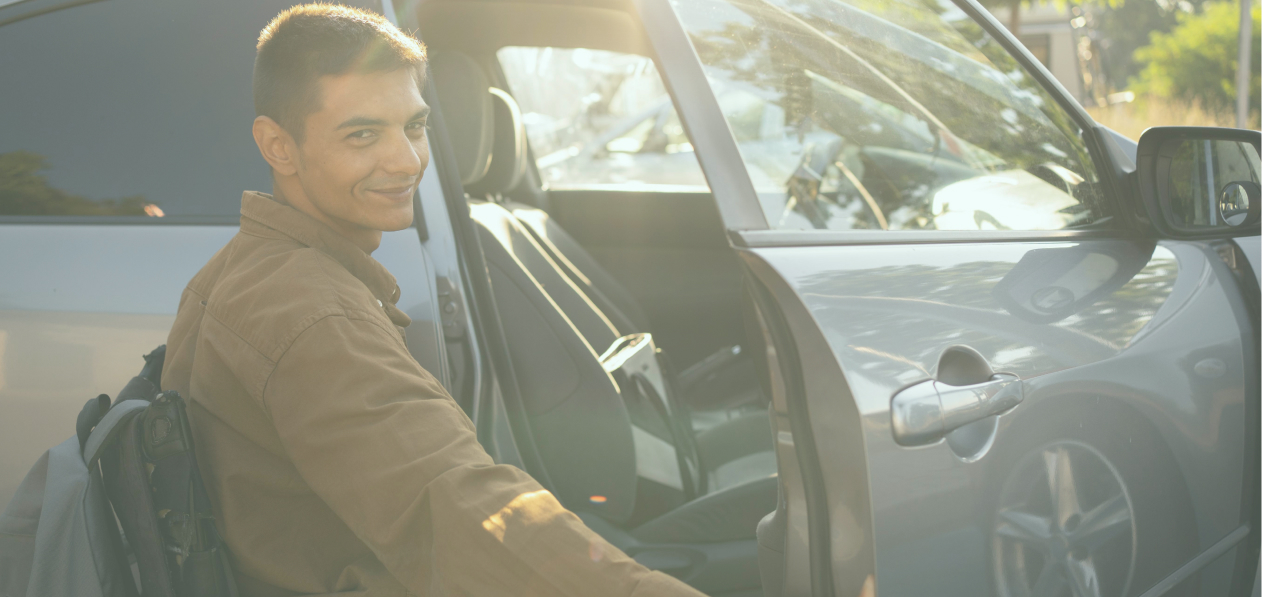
(128,107)
(598,119)
(889,114)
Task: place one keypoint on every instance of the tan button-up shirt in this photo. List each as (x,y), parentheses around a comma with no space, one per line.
(334,462)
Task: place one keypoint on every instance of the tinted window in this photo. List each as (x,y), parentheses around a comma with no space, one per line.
(598,119)
(116,107)
(889,114)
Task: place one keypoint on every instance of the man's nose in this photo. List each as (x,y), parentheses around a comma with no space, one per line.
(401,157)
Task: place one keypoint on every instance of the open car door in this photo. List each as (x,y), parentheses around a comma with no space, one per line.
(986,381)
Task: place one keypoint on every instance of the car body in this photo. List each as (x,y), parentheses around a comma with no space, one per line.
(879,243)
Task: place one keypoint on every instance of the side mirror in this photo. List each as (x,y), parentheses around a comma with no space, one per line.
(1200,182)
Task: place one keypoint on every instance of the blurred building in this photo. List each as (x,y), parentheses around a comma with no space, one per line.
(1052,35)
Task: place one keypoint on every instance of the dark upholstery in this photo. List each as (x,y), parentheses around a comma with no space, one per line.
(734,439)
(508,148)
(609,295)
(725,515)
(581,426)
(513,237)
(560,310)
(467,111)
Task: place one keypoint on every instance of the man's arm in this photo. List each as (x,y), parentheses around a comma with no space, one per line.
(381,442)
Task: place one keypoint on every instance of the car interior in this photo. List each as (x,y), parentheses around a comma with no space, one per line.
(624,312)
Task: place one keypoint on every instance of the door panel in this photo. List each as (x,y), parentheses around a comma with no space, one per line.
(1131,361)
(669,250)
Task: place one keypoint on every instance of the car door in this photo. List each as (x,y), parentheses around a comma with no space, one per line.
(986,382)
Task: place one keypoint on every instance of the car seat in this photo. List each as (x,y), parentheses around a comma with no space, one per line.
(578,414)
(722,380)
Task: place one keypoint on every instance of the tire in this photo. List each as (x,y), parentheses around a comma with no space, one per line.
(1126,524)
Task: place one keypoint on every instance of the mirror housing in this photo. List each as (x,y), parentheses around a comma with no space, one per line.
(1200,182)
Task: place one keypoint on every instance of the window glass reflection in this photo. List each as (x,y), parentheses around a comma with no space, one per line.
(128,107)
(598,119)
(889,114)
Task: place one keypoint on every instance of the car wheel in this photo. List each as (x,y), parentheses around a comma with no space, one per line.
(1098,512)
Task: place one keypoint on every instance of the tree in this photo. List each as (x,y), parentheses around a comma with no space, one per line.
(26,192)
(1196,61)
(1120,30)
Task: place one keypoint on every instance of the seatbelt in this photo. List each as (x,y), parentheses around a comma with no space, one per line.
(633,361)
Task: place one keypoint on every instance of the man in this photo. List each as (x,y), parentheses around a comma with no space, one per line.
(334,462)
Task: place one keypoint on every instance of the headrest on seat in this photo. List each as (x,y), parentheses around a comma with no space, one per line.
(467,112)
(484,122)
(508,150)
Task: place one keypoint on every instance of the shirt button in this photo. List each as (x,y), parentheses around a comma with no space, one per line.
(379,304)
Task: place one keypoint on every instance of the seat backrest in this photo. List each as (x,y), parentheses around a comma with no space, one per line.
(555,331)
(508,148)
(508,232)
(613,299)
(462,93)
(581,426)
(507,164)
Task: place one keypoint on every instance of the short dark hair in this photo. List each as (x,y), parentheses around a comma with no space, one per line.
(310,41)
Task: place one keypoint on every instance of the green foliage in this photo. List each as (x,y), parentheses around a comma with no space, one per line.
(25,192)
(1196,61)
(1120,30)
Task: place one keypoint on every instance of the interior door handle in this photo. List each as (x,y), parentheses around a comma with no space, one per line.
(925,412)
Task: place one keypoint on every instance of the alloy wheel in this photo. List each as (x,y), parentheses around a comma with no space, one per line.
(1065,526)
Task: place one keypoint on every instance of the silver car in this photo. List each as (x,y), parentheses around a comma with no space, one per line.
(850,298)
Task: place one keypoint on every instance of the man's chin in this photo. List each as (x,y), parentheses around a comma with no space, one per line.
(396,222)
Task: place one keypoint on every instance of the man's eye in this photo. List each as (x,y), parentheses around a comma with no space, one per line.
(417,127)
(361,134)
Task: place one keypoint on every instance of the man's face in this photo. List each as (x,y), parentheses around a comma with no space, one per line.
(364,150)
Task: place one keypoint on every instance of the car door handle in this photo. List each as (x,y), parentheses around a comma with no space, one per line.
(925,412)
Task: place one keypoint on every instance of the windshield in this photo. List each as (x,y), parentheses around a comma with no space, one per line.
(889,114)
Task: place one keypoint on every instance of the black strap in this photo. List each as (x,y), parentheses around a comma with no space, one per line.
(152,370)
(89,417)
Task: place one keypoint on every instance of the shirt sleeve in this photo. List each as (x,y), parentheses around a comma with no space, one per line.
(383,444)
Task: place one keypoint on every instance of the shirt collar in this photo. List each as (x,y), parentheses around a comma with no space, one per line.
(261,212)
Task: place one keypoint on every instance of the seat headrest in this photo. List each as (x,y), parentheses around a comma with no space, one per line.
(467,111)
(508,150)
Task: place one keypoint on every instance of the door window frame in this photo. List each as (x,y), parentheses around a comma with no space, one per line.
(738,204)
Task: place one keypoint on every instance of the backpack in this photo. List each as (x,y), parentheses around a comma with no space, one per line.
(117,510)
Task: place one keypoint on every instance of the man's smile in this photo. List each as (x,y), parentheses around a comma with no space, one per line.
(396,194)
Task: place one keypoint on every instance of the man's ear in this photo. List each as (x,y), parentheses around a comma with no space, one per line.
(277,146)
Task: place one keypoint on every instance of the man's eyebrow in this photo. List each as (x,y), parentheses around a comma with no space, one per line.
(361,121)
(365,121)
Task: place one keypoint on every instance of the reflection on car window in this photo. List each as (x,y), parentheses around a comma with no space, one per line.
(598,119)
(128,107)
(889,114)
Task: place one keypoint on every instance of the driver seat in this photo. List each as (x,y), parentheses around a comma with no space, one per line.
(587,438)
